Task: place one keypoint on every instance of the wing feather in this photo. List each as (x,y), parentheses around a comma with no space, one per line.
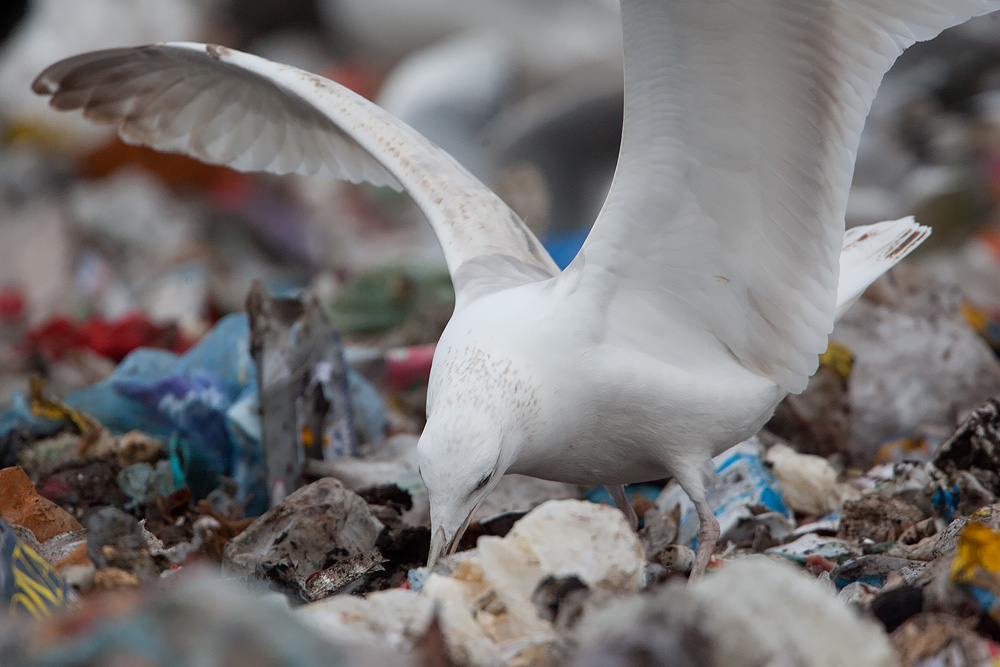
(226,107)
(742,122)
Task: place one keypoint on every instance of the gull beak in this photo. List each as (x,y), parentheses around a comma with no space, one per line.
(442,545)
(439,544)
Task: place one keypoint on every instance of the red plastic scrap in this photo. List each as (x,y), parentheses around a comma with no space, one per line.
(56,337)
(407,366)
(113,339)
(11,303)
(820,561)
(233,191)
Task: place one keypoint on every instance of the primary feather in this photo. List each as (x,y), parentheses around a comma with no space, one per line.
(227,107)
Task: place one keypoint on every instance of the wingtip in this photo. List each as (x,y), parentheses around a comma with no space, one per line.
(907,241)
(871,250)
(905,234)
(43,85)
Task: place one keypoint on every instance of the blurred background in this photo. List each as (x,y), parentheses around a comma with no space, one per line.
(524,94)
(107,248)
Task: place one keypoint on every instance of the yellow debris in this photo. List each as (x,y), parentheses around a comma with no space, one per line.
(973,316)
(50,408)
(977,557)
(837,358)
(37,587)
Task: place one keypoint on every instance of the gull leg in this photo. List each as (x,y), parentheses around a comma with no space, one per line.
(694,481)
(708,535)
(617,492)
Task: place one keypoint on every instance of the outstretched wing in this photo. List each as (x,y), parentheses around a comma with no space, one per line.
(742,121)
(231,108)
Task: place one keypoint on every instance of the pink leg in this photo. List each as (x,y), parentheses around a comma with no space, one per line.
(708,535)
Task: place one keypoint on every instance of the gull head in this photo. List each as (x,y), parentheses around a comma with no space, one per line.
(482,411)
(460,466)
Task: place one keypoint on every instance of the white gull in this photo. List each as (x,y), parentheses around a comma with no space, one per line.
(706,289)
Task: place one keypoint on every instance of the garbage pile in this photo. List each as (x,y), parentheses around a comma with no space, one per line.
(898,565)
(212,385)
(113,534)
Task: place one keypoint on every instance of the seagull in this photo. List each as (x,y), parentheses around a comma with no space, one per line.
(706,289)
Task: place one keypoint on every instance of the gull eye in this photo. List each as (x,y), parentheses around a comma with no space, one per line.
(484,481)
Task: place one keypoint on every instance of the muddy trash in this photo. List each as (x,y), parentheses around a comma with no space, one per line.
(878,519)
(320,521)
(511,598)
(20,504)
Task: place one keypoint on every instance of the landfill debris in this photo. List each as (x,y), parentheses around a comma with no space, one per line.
(116,542)
(112,339)
(811,544)
(130,448)
(391,462)
(659,530)
(334,578)
(548,529)
(808,483)
(891,606)
(64,550)
(518,493)
(488,604)
(860,595)
(746,495)
(391,618)
(28,584)
(306,390)
(911,370)
(828,525)
(398,368)
(817,420)
(977,566)
(561,600)
(751,612)
(919,531)
(142,482)
(874,569)
(184,401)
(197,620)
(202,403)
(320,521)
(676,557)
(972,455)
(386,298)
(877,519)
(936,638)
(642,497)
(20,504)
